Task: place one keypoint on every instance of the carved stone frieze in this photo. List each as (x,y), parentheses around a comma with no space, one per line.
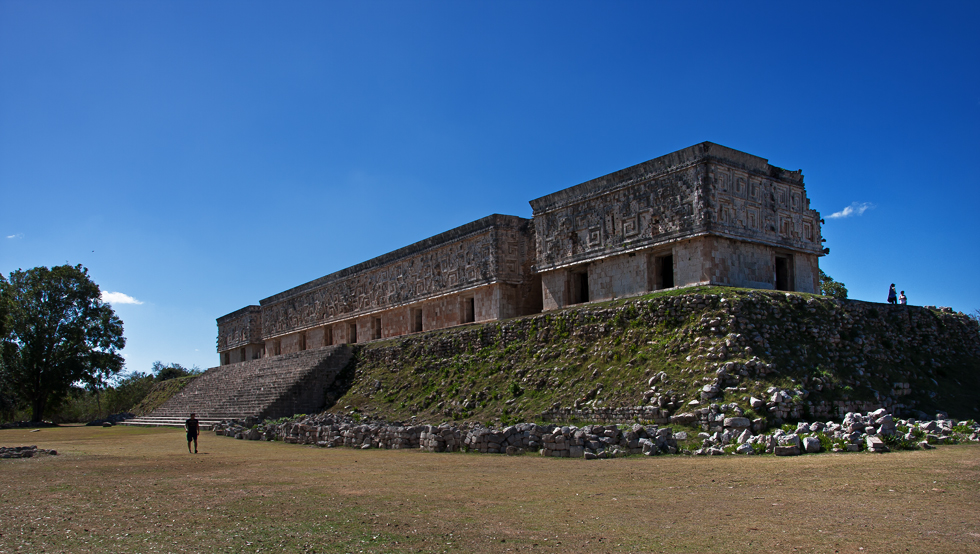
(489,255)
(649,211)
(240,328)
(705,189)
(762,209)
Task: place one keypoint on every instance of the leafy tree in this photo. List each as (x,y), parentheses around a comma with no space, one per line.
(60,334)
(829,287)
(8,400)
(172,371)
(128,392)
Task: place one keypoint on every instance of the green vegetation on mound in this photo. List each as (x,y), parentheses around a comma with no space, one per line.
(160,393)
(665,349)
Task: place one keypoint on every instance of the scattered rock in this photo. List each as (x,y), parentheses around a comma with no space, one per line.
(24,452)
(855,432)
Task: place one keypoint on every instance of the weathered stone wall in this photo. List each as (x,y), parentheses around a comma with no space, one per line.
(642,206)
(752,200)
(724,215)
(477,272)
(752,265)
(619,276)
(481,253)
(240,329)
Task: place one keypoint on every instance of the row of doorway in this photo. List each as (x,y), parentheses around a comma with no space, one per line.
(662,277)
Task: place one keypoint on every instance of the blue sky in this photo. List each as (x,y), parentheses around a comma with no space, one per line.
(200,156)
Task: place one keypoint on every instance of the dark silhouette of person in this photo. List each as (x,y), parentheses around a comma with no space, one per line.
(193,429)
(892,297)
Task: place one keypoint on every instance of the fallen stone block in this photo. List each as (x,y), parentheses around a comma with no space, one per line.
(875,444)
(792,450)
(737,423)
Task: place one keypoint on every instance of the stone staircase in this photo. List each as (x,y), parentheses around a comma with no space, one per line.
(268,388)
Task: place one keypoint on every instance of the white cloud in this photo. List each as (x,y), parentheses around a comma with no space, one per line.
(118,298)
(856,208)
(16,236)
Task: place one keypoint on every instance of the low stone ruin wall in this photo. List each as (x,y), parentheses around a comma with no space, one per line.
(547,440)
(734,435)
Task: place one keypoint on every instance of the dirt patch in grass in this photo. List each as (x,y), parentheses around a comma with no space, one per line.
(126,489)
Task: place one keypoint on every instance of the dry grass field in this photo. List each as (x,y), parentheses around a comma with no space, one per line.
(137,490)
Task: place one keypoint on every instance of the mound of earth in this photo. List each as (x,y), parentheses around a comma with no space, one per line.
(691,353)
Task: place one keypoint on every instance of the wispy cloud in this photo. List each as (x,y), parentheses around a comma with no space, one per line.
(118,298)
(16,236)
(857,208)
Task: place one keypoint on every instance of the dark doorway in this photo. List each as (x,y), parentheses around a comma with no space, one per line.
(352,333)
(784,273)
(328,336)
(469,310)
(377,328)
(665,271)
(416,320)
(579,287)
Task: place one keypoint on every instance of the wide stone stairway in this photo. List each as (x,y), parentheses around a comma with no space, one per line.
(267,388)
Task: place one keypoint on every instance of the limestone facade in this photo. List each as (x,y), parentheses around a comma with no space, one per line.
(702,215)
(477,272)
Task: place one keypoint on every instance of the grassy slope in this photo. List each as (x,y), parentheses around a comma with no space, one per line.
(160,393)
(604,355)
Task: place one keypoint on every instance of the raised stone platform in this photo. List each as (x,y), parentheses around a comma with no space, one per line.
(265,388)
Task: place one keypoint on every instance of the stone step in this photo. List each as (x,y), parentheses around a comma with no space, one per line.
(267,388)
(204,424)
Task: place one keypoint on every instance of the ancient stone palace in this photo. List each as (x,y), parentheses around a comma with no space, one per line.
(702,215)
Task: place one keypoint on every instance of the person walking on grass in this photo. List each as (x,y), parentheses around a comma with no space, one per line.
(193,428)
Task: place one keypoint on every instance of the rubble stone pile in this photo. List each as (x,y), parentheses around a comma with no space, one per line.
(25,452)
(872,431)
